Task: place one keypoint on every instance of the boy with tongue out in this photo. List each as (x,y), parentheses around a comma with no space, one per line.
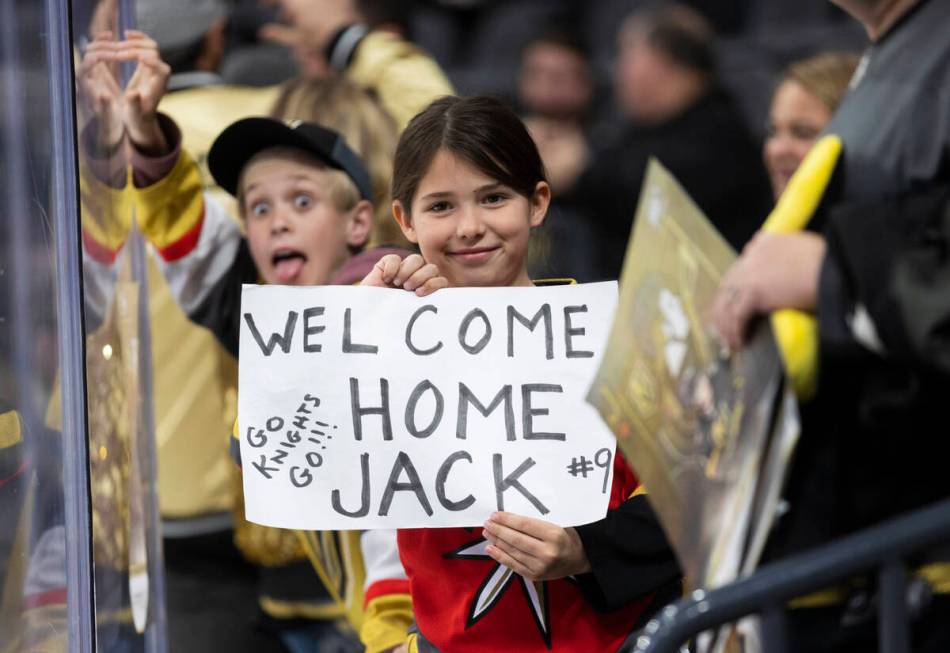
(304,198)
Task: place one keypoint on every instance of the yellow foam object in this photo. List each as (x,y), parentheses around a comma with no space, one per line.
(795,331)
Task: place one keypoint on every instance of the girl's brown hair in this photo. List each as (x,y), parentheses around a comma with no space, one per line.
(482,131)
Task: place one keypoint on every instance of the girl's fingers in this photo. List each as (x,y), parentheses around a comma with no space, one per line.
(501,556)
(410,265)
(384,267)
(413,274)
(391,266)
(430,286)
(537,528)
(420,276)
(503,535)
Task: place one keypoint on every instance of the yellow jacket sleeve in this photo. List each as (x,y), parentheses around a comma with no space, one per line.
(170,211)
(386,622)
(105,214)
(405,78)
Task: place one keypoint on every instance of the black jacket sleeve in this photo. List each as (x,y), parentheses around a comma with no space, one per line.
(220,308)
(629,556)
(893,258)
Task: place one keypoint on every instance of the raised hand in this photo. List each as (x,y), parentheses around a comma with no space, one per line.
(100,95)
(411,273)
(133,111)
(144,91)
(534,548)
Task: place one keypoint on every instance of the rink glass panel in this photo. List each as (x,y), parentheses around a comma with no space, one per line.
(80,567)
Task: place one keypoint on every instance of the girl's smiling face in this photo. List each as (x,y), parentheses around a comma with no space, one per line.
(472,227)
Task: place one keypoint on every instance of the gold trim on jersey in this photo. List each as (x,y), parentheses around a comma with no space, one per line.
(300,609)
(337,558)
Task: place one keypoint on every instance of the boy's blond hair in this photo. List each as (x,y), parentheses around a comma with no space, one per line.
(359,117)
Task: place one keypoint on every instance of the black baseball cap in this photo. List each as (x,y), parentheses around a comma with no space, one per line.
(240,141)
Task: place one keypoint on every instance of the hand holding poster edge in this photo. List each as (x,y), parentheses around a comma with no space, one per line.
(460,404)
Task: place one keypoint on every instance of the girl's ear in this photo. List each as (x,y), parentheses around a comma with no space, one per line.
(360,224)
(540,202)
(405,222)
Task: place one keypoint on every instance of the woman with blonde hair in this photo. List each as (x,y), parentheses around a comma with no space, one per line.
(805,98)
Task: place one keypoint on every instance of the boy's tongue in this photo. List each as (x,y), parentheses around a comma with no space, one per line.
(287,269)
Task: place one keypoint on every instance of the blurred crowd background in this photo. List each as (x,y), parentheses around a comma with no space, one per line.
(602,84)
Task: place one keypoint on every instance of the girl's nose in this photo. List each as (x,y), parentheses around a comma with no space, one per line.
(470,224)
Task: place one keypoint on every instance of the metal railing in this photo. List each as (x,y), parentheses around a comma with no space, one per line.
(884,548)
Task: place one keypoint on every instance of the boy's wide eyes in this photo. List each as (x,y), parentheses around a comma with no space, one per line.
(259,208)
(301,202)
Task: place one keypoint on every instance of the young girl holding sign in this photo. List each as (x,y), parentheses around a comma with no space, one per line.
(468,187)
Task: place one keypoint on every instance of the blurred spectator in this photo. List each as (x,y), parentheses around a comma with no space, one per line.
(555,95)
(675,111)
(804,101)
(404,78)
(478,42)
(250,60)
(874,272)
(555,80)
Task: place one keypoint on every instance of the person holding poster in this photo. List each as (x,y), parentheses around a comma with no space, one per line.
(873,271)
(468,188)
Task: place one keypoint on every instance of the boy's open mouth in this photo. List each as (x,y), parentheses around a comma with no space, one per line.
(287,264)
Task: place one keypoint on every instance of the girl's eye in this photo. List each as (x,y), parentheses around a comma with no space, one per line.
(259,209)
(495,198)
(303,201)
(440,207)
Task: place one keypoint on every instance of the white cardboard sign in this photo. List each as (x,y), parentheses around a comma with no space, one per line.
(373,408)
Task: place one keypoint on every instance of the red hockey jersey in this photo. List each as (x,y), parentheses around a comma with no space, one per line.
(465,602)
